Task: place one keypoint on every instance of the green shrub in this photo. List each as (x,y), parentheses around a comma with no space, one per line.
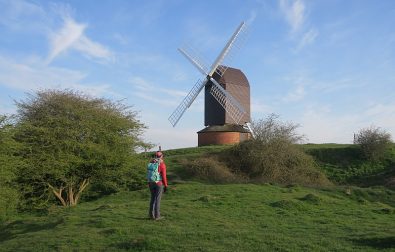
(276,161)
(273,156)
(374,142)
(210,169)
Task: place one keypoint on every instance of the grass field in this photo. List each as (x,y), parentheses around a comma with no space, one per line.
(208,217)
(201,217)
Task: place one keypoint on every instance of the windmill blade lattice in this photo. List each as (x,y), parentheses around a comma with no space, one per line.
(230,50)
(230,104)
(195,57)
(227,101)
(186,103)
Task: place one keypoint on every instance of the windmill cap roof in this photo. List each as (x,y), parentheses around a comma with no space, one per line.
(234,76)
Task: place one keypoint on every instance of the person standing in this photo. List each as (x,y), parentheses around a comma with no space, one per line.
(157,182)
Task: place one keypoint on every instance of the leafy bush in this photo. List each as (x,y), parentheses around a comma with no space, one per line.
(374,142)
(273,156)
(270,129)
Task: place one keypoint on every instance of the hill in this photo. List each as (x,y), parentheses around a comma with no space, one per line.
(210,217)
(201,217)
(344,165)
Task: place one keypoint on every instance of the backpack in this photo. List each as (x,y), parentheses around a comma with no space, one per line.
(152,171)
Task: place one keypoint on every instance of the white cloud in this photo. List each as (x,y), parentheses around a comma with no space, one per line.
(252,17)
(91,48)
(26,16)
(295,95)
(322,125)
(294,12)
(378,109)
(307,39)
(143,85)
(154,97)
(172,138)
(381,115)
(65,38)
(35,74)
(169,98)
(258,107)
(121,39)
(71,36)
(32,74)
(22,15)
(335,85)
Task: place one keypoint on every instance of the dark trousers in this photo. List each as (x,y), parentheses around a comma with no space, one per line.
(156,195)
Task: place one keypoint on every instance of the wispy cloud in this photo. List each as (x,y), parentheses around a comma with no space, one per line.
(307,39)
(27,16)
(380,109)
(321,125)
(252,17)
(155,94)
(32,74)
(294,12)
(92,49)
(168,137)
(71,36)
(326,125)
(23,15)
(335,85)
(258,107)
(66,37)
(143,85)
(295,95)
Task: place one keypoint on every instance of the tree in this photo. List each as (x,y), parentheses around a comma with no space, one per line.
(374,142)
(71,141)
(271,129)
(9,197)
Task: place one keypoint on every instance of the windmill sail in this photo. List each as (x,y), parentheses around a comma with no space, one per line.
(230,104)
(186,103)
(195,58)
(234,44)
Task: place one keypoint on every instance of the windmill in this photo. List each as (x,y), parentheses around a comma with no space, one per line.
(227,95)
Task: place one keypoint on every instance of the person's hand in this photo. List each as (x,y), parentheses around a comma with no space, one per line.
(165,189)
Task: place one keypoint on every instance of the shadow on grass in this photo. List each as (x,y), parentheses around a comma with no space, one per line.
(377,242)
(138,244)
(16,228)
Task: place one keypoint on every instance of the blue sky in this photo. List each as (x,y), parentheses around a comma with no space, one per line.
(328,65)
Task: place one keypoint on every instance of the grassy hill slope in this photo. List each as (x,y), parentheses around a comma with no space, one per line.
(202,217)
(209,217)
(344,164)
